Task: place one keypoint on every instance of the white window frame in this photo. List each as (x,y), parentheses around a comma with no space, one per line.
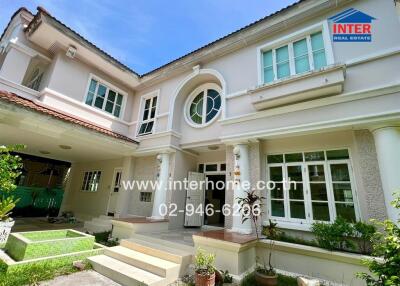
(85,181)
(218,172)
(288,40)
(192,96)
(108,86)
(305,224)
(143,98)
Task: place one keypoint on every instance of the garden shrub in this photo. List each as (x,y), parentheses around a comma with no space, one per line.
(334,236)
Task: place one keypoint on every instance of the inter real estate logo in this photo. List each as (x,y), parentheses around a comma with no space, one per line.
(352,25)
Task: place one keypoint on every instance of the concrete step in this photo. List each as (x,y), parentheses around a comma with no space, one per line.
(124,273)
(174,245)
(93,227)
(144,261)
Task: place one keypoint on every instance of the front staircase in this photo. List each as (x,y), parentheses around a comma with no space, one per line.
(143,260)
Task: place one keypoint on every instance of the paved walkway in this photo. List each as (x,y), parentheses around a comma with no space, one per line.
(84,278)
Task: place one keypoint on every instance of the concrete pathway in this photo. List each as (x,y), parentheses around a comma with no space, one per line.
(84,278)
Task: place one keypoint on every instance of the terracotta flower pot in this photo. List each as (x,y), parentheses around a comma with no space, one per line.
(266,280)
(5,229)
(204,280)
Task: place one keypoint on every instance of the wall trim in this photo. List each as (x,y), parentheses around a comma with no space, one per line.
(341,98)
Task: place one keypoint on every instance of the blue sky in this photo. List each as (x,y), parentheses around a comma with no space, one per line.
(145,34)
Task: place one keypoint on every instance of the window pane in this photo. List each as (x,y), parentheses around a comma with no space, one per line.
(142,128)
(211,167)
(267,58)
(296,192)
(277,208)
(268,69)
(223,167)
(147,103)
(346,211)
(119,99)
(277,192)
(117,110)
(153,112)
(99,102)
(109,106)
(295,157)
(294,173)
(92,86)
(275,174)
(314,156)
(275,159)
(213,104)
(149,127)
(89,98)
(145,114)
(320,211)
(282,61)
(317,41)
(337,154)
(318,192)
(111,96)
(301,56)
(297,210)
(343,192)
(317,44)
(154,104)
(316,173)
(319,59)
(268,74)
(340,172)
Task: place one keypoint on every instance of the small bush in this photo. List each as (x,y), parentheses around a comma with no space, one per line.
(250,280)
(335,236)
(364,233)
(105,238)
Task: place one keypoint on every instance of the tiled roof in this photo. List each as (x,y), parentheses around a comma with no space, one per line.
(15,99)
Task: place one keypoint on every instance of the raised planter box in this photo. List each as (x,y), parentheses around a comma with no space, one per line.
(36,244)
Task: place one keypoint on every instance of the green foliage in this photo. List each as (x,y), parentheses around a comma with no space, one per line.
(271,230)
(10,166)
(364,233)
(387,245)
(32,274)
(106,239)
(335,236)
(249,280)
(204,263)
(251,207)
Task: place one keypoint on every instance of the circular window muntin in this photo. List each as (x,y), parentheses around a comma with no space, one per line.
(202,89)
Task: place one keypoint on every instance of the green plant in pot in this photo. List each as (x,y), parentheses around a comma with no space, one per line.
(204,269)
(10,166)
(251,208)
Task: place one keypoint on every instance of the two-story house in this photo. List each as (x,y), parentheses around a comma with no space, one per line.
(310,93)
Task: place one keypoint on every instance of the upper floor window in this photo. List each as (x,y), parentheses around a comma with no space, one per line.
(148,116)
(101,96)
(297,57)
(203,105)
(35,73)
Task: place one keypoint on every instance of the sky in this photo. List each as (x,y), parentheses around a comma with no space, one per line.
(145,34)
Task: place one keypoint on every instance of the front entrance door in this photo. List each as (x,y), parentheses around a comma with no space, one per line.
(115,187)
(194,200)
(215,199)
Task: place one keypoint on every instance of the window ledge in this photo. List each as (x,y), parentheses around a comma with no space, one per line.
(313,84)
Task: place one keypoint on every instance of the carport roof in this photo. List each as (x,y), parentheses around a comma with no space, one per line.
(15,99)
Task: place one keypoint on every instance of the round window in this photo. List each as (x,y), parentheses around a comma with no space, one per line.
(203,105)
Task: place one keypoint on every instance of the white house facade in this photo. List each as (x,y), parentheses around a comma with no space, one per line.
(283,98)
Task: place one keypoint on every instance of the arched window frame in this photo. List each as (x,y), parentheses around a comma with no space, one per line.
(202,88)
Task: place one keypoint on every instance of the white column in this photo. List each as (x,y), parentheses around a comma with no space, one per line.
(387,142)
(160,194)
(67,190)
(242,177)
(124,197)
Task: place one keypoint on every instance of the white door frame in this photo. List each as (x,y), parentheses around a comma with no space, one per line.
(118,169)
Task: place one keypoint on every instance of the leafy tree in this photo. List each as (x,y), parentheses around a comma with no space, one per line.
(10,166)
(386,244)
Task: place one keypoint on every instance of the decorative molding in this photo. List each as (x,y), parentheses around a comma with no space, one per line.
(341,98)
(373,57)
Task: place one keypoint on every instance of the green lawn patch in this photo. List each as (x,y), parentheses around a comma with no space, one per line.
(283,280)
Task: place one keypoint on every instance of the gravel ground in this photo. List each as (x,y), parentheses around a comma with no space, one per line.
(84,278)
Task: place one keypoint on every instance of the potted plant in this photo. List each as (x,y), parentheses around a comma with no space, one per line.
(10,166)
(251,208)
(204,269)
